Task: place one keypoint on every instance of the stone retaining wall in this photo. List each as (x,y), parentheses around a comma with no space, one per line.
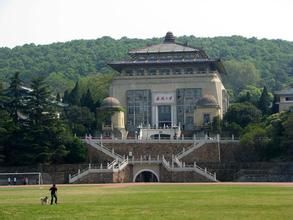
(168,176)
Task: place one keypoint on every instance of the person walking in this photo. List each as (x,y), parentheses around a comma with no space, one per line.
(9,180)
(53,190)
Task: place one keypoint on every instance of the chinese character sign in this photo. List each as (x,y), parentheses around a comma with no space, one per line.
(164,98)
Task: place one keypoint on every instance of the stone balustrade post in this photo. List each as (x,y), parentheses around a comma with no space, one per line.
(101,166)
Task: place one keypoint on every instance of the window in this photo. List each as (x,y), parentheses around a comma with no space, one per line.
(186,101)
(129,72)
(152,72)
(141,57)
(140,72)
(164,72)
(152,57)
(177,71)
(206,118)
(288,99)
(138,108)
(188,71)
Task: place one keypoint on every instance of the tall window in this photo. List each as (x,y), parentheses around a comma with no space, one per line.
(206,118)
(138,108)
(186,101)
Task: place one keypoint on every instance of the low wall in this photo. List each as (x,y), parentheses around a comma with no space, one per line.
(170,176)
(226,171)
(206,153)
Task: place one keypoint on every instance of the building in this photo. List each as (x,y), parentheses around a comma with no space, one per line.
(169,85)
(113,118)
(284,99)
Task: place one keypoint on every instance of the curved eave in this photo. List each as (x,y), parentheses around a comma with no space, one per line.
(119,65)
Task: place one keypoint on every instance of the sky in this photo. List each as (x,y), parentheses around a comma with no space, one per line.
(48,21)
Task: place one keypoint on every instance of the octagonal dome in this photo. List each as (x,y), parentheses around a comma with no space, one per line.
(110,103)
(207,100)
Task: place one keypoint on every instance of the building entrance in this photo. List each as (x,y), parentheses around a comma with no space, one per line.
(164,116)
(146,176)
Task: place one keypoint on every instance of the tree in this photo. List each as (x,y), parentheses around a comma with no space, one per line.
(15,95)
(250,94)
(2,97)
(65,96)
(216,125)
(58,97)
(242,114)
(275,106)
(41,110)
(6,130)
(87,101)
(287,137)
(256,137)
(264,102)
(74,95)
(240,74)
(81,120)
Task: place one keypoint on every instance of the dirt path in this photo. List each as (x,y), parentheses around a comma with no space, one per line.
(123,185)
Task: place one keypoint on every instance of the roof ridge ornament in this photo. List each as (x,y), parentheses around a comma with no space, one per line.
(169,38)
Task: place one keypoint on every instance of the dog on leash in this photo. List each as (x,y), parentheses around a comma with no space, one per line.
(44,200)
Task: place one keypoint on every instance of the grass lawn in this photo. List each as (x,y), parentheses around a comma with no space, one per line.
(154,201)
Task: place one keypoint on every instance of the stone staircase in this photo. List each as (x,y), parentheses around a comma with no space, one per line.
(181,167)
(196,145)
(102,148)
(119,163)
(114,166)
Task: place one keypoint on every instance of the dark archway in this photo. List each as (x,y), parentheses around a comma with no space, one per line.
(146,176)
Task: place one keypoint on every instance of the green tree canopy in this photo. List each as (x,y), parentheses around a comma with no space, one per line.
(265,101)
(242,114)
(240,74)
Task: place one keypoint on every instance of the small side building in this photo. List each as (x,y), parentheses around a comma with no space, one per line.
(284,99)
(112,115)
(206,110)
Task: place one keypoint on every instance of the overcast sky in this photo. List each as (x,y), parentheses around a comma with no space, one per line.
(47,21)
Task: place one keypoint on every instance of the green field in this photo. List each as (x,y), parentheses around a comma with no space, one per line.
(155,201)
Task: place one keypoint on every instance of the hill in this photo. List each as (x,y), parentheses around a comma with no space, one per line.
(248,60)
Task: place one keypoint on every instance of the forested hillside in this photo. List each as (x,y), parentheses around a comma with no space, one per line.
(248,61)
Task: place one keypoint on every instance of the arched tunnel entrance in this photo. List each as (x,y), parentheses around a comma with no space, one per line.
(146,176)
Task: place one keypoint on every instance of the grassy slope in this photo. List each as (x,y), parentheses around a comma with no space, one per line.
(150,202)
